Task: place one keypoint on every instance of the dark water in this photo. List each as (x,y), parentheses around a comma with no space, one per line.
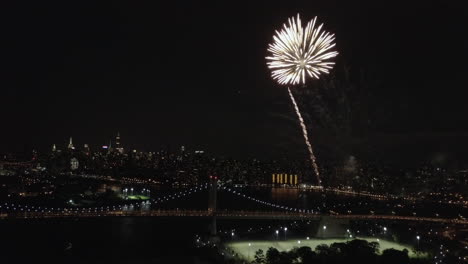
(121,240)
(99,240)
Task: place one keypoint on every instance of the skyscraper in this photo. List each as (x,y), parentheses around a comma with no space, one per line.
(86,149)
(70,144)
(118,147)
(117,140)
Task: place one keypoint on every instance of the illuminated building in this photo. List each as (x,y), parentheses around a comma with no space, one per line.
(280,178)
(118,147)
(109,148)
(74,164)
(86,149)
(70,144)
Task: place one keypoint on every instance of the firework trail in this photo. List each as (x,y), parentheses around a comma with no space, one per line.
(306,137)
(297,53)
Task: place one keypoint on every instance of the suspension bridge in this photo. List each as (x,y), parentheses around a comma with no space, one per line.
(150,209)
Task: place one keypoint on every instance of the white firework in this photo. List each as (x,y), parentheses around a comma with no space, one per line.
(298,52)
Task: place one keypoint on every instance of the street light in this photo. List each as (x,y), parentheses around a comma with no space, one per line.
(249,250)
(277,234)
(285,229)
(418,237)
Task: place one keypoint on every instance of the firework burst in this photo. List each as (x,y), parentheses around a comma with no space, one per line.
(299,52)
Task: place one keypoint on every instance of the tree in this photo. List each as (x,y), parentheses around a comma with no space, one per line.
(322,249)
(306,255)
(361,249)
(390,256)
(272,255)
(259,257)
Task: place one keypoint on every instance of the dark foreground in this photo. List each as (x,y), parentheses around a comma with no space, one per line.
(110,240)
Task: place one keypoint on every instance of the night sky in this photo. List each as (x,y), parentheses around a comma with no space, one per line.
(171,73)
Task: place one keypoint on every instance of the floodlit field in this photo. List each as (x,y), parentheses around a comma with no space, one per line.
(245,251)
(135,197)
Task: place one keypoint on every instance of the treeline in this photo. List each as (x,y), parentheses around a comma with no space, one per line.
(355,251)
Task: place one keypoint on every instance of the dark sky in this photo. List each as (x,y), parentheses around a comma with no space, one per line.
(171,73)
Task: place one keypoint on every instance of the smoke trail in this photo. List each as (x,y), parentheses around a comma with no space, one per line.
(306,137)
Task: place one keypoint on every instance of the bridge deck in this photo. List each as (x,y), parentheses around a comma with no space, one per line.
(222,215)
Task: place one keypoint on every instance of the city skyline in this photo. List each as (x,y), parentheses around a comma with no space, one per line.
(100,70)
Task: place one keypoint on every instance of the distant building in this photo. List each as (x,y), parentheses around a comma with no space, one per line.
(118,146)
(34,155)
(74,164)
(284,178)
(108,148)
(86,149)
(105,149)
(70,144)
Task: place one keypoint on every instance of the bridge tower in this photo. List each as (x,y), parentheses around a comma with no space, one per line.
(212,204)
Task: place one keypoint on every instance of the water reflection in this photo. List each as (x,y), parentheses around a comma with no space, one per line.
(284,194)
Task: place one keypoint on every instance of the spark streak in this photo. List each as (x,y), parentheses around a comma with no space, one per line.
(306,137)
